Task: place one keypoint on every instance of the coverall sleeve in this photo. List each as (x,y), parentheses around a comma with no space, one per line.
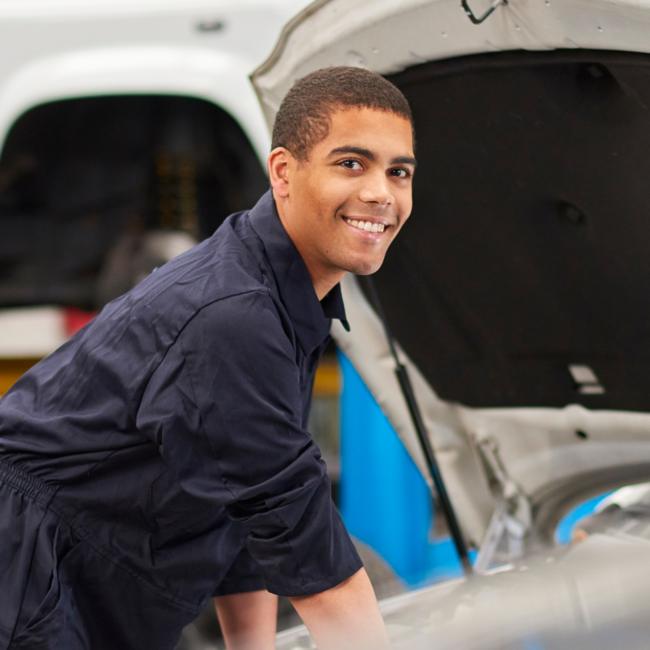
(244,575)
(224,407)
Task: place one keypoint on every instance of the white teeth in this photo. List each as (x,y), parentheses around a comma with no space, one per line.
(366,225)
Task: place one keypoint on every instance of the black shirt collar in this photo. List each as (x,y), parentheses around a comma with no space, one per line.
(310,317)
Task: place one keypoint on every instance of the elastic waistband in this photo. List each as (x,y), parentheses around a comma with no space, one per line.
(29,485)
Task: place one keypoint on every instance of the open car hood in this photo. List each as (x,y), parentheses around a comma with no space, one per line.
(517,290)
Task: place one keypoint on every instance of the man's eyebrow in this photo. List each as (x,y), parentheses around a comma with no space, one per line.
(360,151)
(404,160)
(366,153)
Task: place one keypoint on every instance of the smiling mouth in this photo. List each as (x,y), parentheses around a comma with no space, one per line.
(368,226)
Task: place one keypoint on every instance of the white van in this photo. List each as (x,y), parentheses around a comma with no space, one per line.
(128,131)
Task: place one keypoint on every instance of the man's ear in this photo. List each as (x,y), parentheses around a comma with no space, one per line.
(278,166)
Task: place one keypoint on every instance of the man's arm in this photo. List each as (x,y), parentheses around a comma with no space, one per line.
(248,620)
(345,617)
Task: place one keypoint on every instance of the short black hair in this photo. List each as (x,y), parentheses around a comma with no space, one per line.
(304,116)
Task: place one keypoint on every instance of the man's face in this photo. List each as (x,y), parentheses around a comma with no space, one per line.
(345,204)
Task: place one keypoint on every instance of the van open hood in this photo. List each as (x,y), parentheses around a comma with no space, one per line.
(518,289)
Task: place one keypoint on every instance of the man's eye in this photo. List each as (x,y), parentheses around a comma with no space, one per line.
(400,173)
(351,164)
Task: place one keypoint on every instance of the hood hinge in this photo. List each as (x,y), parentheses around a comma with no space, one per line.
(511,521)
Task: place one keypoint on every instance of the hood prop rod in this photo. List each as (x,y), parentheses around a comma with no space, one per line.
(423,437)
(472,16)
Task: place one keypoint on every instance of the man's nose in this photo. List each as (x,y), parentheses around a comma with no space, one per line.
(376,189)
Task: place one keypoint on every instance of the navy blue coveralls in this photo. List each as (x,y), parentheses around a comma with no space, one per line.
(160,456)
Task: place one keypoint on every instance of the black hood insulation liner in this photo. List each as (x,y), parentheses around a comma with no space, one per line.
(523,275)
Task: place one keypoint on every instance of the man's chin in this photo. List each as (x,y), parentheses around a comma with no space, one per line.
(364,267)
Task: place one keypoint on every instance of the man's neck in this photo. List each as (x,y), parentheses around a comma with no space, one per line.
(324,284)
(323,278)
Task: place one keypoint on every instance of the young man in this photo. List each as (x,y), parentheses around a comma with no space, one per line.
(160,457)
